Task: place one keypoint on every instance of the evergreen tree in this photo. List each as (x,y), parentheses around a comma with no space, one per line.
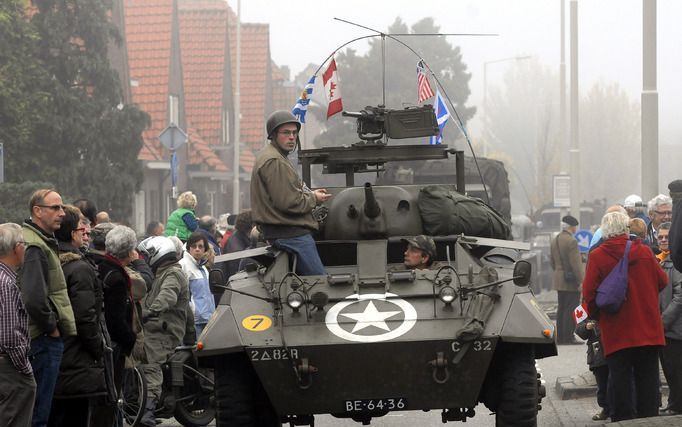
(81,138)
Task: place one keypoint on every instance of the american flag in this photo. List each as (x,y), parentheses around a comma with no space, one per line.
(424,90)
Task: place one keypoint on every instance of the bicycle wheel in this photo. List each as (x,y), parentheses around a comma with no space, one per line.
(195,407)
(133,396)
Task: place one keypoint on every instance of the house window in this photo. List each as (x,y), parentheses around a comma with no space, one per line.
(173,108)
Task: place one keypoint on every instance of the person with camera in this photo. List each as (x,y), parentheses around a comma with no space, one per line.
(568,275)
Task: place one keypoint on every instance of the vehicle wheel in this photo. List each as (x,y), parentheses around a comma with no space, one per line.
(133,396)
(195,408)
(240,398)
(517,403)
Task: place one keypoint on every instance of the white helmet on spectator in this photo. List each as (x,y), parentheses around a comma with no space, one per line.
(631,201)
(158,248)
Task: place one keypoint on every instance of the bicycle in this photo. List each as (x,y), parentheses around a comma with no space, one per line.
(186,394)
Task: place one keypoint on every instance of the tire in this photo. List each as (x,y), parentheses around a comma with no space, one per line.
(518,396)
(132,398)
(240,398)
(196,409)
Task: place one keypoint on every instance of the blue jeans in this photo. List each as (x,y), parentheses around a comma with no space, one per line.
(46,356)
(308,261)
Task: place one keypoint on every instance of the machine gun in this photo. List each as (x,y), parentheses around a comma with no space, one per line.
(373,123)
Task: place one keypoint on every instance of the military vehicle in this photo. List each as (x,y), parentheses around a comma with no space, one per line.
(371,337)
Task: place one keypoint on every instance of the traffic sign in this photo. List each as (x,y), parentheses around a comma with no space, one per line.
(561,191)
(173,137)
(584,237)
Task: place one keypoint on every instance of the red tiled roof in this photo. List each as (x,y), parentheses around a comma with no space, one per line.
(201,153)
(148,33)
(255,58)
(203,28)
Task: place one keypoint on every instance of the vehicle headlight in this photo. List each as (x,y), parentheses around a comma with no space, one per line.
(295,300)
(447,294)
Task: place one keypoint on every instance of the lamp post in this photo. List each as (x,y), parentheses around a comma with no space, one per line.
(485,92)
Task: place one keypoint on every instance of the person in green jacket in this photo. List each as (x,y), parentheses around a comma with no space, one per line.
(281,204)
(182,221)
(43,289)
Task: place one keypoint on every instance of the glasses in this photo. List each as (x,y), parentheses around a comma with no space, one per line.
(82,230)
(197,246)
(288,132)
(662,237)
(664,213)
(53,207)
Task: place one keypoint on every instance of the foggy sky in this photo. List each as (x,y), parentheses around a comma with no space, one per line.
(610,34)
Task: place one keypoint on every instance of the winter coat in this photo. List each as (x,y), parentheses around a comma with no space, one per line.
(165,309)
(181,222)
(637,323)
(280,203)
(239,241)
(118,302)
(670,300)
(42,284)
(595,350)
(202,298)
(81,373)
(564,255)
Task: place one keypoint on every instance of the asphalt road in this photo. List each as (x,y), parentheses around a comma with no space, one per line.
(555,412)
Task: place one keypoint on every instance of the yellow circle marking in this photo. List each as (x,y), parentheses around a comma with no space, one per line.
(257,322)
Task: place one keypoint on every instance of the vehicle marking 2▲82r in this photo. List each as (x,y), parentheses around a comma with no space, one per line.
(478,345)
(264,355)
(364,405)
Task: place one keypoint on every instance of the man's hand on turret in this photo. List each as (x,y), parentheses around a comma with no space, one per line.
(321,195)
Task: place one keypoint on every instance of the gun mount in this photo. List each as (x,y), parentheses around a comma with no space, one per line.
(373,123)
(370,154)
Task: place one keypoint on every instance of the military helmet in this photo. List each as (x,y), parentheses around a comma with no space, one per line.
(278,118)
(424,243)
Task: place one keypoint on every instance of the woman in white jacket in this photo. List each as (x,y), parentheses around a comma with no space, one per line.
(192,264)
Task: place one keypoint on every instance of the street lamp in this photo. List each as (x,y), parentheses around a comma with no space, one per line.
(485,92)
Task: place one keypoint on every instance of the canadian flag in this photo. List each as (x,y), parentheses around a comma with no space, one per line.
(330,79)
(579,314)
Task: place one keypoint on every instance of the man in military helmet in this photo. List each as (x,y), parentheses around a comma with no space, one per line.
(281,204)
(420,252)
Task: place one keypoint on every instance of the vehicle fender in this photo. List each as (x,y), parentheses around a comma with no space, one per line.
(526,322)
(221,335)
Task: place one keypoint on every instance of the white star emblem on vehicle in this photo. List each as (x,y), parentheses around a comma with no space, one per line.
(371,320)
(371,317)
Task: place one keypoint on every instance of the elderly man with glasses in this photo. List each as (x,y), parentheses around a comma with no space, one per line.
(43,288)
(660,210)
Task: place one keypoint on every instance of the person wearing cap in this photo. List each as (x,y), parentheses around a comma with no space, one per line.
(420,252)
(568,275)
(635,207)
(281,203)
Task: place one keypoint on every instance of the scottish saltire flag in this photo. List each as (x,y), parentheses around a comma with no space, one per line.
(442,116)
(301,106)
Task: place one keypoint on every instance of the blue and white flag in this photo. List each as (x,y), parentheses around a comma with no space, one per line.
(442,116)
(301,106)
